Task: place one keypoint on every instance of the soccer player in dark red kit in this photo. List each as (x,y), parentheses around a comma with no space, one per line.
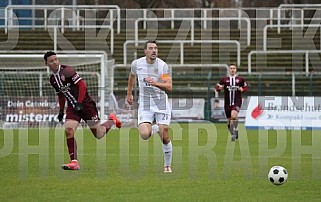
(71,87)
(233,86)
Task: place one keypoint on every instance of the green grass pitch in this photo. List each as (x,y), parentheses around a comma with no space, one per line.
(207,166)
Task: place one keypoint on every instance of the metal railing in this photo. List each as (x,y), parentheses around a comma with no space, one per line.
(76,13)
(261,76)
(192,22)
(75,16)
(305,52)
(295,7)
(181,45)
(253,14)
(60,13)
(56,31)
(265,30)
(293,78)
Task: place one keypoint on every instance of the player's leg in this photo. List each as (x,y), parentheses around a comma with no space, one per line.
(228,112)
(163,121)
(229,125)
(90,115)
(234,122)
(71,124)
(100,130)
(155,127)
(145,120)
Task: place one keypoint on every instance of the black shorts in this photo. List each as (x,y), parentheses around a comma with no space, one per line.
(228,110)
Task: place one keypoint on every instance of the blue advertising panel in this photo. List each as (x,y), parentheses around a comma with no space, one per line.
(24,16)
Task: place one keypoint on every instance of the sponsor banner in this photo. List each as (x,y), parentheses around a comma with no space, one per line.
(218,113)
(23,112)
(18,112)
(28,111)
(189,109)
(182,110)
(292,113)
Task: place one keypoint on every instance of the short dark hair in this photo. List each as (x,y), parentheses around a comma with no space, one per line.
(233,64)
(149,41)
(48,54)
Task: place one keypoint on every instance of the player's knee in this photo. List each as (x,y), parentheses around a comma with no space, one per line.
(145,136)
(99,136)
(233,118)
(144,132)
(165,136)
(69,132)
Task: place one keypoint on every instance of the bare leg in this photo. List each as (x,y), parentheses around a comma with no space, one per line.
(145,130)
(100,130)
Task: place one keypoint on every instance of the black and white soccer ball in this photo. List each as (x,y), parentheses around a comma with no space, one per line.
(278,175)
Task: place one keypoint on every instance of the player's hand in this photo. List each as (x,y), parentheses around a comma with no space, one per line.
(150,81)
(218,87)
(60,115)
(241,89)
(78,107)
(130,99)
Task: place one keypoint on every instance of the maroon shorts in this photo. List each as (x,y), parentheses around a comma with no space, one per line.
(88,114)
(228,110)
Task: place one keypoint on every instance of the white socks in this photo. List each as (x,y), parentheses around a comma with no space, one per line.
(167,148)
(167,151)
(155,129)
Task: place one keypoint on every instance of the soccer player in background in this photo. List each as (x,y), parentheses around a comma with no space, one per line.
(71,87)
(154,80)
(233,86)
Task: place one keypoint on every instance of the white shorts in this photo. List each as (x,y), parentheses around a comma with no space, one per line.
(150,116)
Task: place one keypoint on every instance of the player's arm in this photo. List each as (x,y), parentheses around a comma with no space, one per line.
(131,81)
(61,102)
(82,90)
(219,86)
(243,87)
(61,97)
(165,81)
(165,84)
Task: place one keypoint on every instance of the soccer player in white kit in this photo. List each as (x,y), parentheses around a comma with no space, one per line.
(154,80)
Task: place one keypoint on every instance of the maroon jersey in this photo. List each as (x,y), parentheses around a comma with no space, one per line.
(65,82)
(232,95)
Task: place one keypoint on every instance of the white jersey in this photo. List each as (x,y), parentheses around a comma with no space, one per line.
(151,97)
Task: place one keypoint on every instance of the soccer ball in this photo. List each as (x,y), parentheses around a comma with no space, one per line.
(278,175)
